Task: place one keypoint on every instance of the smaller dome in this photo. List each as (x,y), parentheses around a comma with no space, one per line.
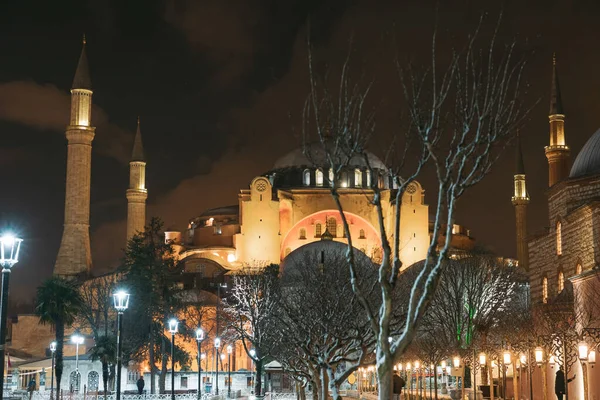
(317,156)
(588,159)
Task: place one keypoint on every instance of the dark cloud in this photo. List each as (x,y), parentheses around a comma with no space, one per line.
(46,107)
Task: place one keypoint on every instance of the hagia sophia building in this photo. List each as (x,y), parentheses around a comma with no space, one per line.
(279,212)
(291,206)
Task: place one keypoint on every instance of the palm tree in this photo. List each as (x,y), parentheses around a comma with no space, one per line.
(105,350)
(58,302)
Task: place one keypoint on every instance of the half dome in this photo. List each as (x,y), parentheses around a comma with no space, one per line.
(588,160)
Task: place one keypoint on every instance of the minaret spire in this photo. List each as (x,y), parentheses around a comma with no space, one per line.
(74,255)
(82,73)
(520,200)
(137,192)
(557,152)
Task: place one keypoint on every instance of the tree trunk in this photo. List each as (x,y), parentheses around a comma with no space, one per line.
(60,341)
(163,368)
(515,381)
(333,384)
(302,392)
(435,384)
(105,377)
(491,378)
(316,387)
(384,379)
(151,357)
(258,378)
(544,371)
(324,383)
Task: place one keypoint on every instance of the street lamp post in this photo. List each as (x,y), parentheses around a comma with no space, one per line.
(9,256)
(585,357)
(217,345)
(53,350)
(252,355)
(121,302)
(229,350)
(77,339)
(199,339)
(173,323)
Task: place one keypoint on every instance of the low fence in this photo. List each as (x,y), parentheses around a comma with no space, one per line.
(23,395)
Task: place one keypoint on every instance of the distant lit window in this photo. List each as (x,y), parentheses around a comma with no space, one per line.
(217,229)
(132,376)
(332,226)
(331,176)
(545,290)
(318,229)
(357,178)
(578,269)
(306,179)
(344,180)
(210,221)
(561,280)
(558,238)
(302,234)
(361,234)
(368,178)
(319,177)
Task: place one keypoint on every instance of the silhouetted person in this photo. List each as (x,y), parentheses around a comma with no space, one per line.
(398,384)
(140,385)
(560,386)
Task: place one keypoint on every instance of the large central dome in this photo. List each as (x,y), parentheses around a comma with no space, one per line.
(314,155)
(588,159)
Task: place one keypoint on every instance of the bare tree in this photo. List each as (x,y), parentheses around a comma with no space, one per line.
(564,322)
(98,315)
(320,316)
(249,307)
(460,117)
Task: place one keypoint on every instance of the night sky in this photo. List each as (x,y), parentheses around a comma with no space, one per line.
(219,86)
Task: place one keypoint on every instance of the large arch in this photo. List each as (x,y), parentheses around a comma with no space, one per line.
(364,236)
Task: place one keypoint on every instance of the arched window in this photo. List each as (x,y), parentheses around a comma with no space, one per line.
(318,230)
(545,290)
(558,238)
(74,381)
(306,177)
(319,177)
(302,233)
(331,176)
(361,234)
(560,284)
(92,381)
(368,178)
(344,179)
(578,269)
(332,226)
(357,178)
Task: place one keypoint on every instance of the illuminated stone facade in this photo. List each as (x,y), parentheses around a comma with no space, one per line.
(74,255)
(292,205)
(567,252)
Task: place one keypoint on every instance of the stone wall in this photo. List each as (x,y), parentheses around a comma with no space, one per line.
(580,228)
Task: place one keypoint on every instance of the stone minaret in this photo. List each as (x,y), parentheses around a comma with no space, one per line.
(557,152)
(137,192)
(74,256)
(520,200)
